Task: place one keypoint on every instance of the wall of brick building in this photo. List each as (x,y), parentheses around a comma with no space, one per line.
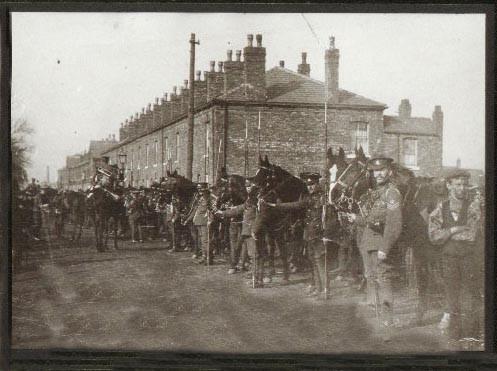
(429,152)
(293,137)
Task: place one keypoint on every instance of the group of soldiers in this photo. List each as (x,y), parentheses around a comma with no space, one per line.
(454,229)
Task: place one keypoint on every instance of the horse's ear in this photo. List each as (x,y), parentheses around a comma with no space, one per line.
(329,153)
(341,153)
(175,172)
(261,163)
(266,160)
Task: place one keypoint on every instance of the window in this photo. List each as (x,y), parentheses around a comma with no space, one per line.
(138,159)
(359,136)
(410,152)
(146,155)
(132,159)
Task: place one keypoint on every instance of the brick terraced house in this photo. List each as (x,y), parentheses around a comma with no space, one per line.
(243,109)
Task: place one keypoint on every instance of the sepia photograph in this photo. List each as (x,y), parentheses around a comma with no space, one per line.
(248,183)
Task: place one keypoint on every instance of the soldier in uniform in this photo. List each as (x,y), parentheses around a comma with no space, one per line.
(247,211)
(313,230)
(455,224)
(383,225)
(200,218)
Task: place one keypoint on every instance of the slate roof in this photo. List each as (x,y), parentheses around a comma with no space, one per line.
(286,86)
(412,125)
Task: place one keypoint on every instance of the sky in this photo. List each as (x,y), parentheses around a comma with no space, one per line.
(77,76)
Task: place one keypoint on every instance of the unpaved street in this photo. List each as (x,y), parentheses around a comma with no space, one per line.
(143,298)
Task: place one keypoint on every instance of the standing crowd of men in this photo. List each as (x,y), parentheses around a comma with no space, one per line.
(454,229)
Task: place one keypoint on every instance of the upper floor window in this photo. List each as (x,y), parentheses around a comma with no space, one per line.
(138,158)
(359,136)
(410,152)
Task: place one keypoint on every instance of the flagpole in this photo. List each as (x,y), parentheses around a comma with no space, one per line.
(259,135)
(246,148)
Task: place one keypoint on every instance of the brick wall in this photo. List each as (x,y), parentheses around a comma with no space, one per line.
(293,137)
(429,151)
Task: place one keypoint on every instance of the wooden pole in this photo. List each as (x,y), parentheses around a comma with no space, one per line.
(191,109)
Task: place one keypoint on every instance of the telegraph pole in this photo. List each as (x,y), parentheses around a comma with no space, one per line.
(191,109)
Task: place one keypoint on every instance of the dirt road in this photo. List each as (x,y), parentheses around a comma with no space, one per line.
(143,298)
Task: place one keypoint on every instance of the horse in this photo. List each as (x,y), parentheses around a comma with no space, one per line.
(183,193)
(228,191)
(75,202)
(276,185)
(415,255)
(106,206)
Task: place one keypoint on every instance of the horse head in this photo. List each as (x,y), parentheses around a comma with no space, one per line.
(344,175)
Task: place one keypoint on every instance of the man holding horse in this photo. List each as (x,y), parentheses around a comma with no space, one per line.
(312,203)
(455,224)
(383,217)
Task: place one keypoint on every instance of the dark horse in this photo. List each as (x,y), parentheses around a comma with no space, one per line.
(184,192)
(276,185)
(106,207)
(417,259)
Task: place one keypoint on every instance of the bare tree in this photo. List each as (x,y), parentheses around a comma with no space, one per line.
(21,151)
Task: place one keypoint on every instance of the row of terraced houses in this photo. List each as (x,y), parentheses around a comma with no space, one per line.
(243,109)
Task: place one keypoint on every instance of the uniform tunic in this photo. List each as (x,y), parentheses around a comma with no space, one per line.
(383,225)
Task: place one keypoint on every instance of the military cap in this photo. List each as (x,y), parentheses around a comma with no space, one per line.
(457,173)
(310,178)
(378,163)
(203,186)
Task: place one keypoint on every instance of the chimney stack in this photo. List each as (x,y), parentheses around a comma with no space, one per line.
(404,109)
(304,68)
(282,64)
(233,71)
(230,55)
(438,120)
(198,75)
(331,62)
(213,66)
(186,84)
(219,66)
(255,66)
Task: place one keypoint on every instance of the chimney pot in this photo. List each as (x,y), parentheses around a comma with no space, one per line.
(258,38)
(230,55)
(238,55)
(220,66)
(114,137)
(282,63)
(175,90)
(165,97)
(186,84)
(198,75)
(250,39)
(126,122)
(156,100)
(205,75)
(213,65)
(143,109)
(304,57)
(332,42)
(122,124)
(149,106)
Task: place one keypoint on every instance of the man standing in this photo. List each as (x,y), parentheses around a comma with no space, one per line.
(455,224)
(200,218)
(313,203)
(383,217)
